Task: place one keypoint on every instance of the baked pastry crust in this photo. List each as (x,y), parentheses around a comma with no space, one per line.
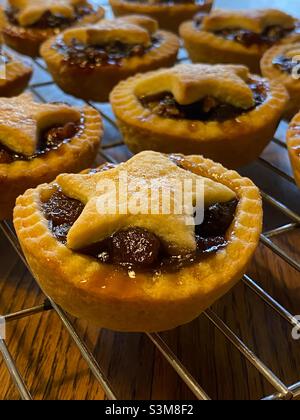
(171,227)
(255,20)
(28,40)
(73,156)
(97,83)
(168,16)
(105,295)
(293,143)
(291,83)
(17,77)
(204,46)
(234,142)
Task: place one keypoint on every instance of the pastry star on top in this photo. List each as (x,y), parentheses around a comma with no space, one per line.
(145,169)
(255,20)
(22,120)
(107,31)
(30,11)
(190,83)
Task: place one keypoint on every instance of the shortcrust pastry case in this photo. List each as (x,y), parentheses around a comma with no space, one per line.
(281,64)
(293,142)
(103,54)
(26,24)
(237,36)
(169,14)
(39,141)
(141,272)
(222,112)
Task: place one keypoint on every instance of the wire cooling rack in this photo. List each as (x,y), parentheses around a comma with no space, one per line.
(282,391)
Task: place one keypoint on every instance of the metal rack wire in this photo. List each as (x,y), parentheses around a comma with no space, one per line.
(283,392)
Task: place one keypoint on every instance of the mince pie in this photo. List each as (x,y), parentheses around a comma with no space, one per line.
(129,268)
(15,75)
(40,141)
(236,36)
(281,64)
(101,55)
(221,112)
(168,13)
(26,24)
(293,142)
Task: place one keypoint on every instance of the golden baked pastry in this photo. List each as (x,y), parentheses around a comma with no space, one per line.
(39,141)
(281,64)
(169,14)
(236,36)
(293,142)
(15,75)
(139,272)
(26,24)
(103,54)
(221,112)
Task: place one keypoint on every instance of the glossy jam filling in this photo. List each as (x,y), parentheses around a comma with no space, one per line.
(50,139)
(137,248)
(87,56)
(269,36)
(208,109)
(48,20)
(286,64)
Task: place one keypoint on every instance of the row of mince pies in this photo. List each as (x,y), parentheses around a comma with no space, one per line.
(168,13)
(137,271)
(101,55)
(237,36)
(40,141)
(134,272)
(26,24)
(129,263)
(220,111)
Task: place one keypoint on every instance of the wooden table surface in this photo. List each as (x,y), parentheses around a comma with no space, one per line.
(53,367)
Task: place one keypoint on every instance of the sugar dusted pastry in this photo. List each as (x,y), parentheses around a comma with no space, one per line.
(236,36)
(281,64)
(15,75)
(103,54)
(293,142)
(39,141)
(169,13)
(222,112)
(139,271)
(26,24)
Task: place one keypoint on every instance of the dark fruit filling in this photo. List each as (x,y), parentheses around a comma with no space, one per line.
(50,139)
(137,248)
(48,20)
(208,109)
(88,56)
(62,211)
(269,36)
(285,64)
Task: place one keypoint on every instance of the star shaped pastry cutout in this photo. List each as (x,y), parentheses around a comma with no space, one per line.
(190,83)
(109,30)
(147,176)
(22,120)
(32,10)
